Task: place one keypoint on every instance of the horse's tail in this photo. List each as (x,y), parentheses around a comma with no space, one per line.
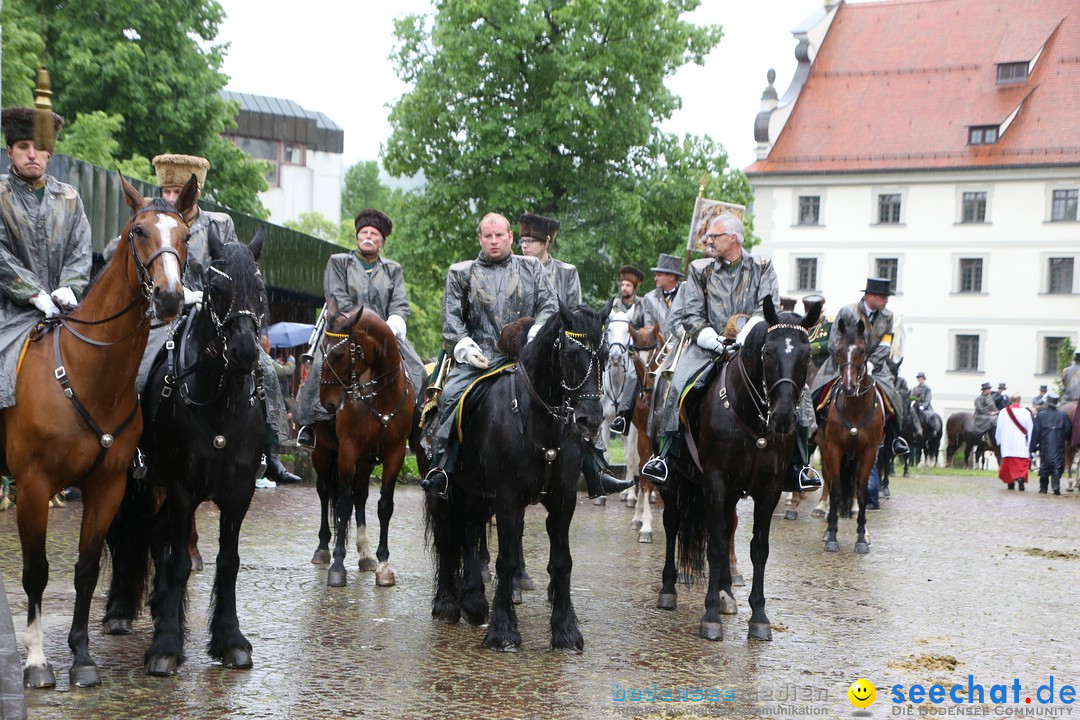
(129,547)
(847,484)
(693,530)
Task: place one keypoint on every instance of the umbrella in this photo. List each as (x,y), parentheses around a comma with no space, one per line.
(289,334)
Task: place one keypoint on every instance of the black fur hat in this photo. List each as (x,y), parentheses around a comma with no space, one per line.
(18,124)
(376,219)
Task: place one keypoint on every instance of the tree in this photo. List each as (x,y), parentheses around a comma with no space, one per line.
(92,137)
(547,107)
(318,225)
(363,189)
(154,65)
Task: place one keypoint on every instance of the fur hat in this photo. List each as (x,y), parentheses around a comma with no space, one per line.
(631,273)
(537,227)
(376,219)
(178,169)
(787,304)
(18,124)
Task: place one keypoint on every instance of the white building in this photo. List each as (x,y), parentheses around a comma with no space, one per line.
(936,143)
(305,149)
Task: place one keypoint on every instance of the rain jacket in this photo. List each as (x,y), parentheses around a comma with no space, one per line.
(657,311)
(44,245)
(1050,432)
(985,413)
(564,279)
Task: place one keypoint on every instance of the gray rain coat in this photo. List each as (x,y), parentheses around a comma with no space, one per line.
(564,279)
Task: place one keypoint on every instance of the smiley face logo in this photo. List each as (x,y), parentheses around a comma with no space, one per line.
(862,693)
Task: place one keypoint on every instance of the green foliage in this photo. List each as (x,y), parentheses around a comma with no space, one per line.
(317,225)
(22,53)
(549,107)
(1064,360)
(363,189)
(152,64)
(92,137)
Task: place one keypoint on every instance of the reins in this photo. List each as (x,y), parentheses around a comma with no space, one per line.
(367,392)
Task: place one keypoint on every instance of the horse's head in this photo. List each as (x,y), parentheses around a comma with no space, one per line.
(646,344)
(851,356)
(156,237)
(617,335)
(779,349)
(360,355)
(234,299)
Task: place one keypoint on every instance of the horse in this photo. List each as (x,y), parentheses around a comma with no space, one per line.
(911,429)
(744,434)
(365,386)
(854,429)
(204,423)
(646,343)
(76,421)
(1069,408)
(521,444)
(961,433)
(619,375)
(931,443)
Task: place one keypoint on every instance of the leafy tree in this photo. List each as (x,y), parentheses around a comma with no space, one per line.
(92,137)
(318,225)
(152,64)
(363,189)
(547,107)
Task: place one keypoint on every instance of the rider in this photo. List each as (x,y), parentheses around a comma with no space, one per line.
(1000,396)
(538,235)
(878,321)
(729,282)
(361,278)
(921,392)
(986,410)
(481,297)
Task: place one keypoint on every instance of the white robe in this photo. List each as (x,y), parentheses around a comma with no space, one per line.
(1010,439)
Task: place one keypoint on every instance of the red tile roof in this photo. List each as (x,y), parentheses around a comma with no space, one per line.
(895,86)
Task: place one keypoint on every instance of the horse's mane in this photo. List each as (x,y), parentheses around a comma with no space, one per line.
(581,319)
(245,284)
(756,337)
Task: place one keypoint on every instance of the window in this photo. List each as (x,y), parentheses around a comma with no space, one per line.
(887,268)
(807,273)
(809,209)
(974,207)
(971,270)
(1014,72)
(983,135)
(1061,275)
(967,353)
(1051,347)
(889,208)
(1064,205)
(292,154)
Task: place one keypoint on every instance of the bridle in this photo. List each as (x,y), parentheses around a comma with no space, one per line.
(363,392)
(761,399)
(231,313)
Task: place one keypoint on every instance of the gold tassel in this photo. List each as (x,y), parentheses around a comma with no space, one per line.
(44,124)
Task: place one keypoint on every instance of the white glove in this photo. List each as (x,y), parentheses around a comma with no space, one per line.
(192,297)
(64,297)
(709,339)
(397,326)
(533,331)
(467,351)
(45,304)
(869,367)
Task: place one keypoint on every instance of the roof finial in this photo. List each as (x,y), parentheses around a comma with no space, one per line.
(770,90)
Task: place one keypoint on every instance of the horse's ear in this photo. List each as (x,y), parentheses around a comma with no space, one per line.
(133,197)
(769,310)
(565,315)
(255,246)
(331,306)
(213,242)
(188,195)
(607,309)
(861,327)
(813,314)
(357,317)
(841,326)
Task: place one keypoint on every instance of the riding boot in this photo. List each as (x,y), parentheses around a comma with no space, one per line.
(899,445)
(808,477)
(598,478)
(277,471)
(656,468)
(437,479)
(621,423)
(306,437)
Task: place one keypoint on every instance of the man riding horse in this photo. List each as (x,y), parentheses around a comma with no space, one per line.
(878,321)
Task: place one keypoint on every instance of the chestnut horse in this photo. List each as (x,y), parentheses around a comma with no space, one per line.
(646,344)
(365,383)
(76,421)
(854,428)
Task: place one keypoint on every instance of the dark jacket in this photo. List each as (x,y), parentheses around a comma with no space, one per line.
(1049,434)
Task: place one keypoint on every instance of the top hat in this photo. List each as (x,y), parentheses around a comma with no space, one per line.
(878,286)
(920,374)
(178,169)
(1042,388)
(631,273)
(370,217)
(985,386)
(1001,386)
(18,124)
(667,264)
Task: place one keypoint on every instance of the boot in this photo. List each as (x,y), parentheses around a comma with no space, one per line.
(656,468)
(809,478)
(276,470)
(598,479)
(437,479)
(1020,482)
(306,437)
(621,423)
(899,444)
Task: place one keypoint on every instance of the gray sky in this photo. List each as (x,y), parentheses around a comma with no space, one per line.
(333,56)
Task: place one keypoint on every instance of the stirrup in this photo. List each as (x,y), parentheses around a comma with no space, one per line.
(437,481)
(306,437)
(618,425)
(900,446)
(138,465)
(809,479)
(656,469)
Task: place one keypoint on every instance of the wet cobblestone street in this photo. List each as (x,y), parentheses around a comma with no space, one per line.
(963,578)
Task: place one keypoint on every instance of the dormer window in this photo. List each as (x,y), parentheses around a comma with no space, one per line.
(1012,72)
(983,135)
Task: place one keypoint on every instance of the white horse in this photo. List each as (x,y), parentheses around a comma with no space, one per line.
(619,375)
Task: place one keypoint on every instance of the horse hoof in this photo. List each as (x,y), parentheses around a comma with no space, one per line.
(507,647)
(738,581)
(526,583)
(162,666)
(448,616)
(384,578)
(667,601)
(631,502)
(321,557)
(515,596)
(625,495)
(367,564)
(117,626)
(817,513)
(336,578)
(711,630)
(36,677)
(760,631)
(602,500)
(885,491)
(196,563)
(862,548)
(485,574)
(236,659)
(791,515)
(825,536)
(84,676)
(832,546)
(645,537)
(635,524)
(727,604)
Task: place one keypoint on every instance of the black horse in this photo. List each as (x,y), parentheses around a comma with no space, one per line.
(744,433)
(203,437)
(911,429)
(521,444)
(931,444)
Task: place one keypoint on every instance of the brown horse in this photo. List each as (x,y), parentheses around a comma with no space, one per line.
(854,428)
(364,382)
(77,420)
(646,344)
(961,433)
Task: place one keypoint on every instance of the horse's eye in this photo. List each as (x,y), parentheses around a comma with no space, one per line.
(140,231)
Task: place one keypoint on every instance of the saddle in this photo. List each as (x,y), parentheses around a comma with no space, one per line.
(474,395)
(821,407)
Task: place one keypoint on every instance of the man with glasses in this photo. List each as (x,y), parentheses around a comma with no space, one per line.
(729,282)
(538,235)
